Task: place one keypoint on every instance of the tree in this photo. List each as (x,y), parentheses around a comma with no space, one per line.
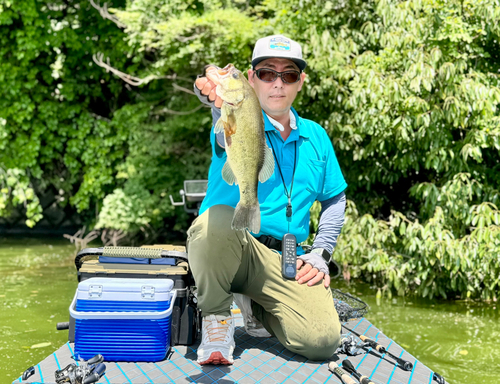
(407,90)
(68,126)
(55,105)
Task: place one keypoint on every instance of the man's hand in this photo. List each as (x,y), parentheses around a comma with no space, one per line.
(306,273)
(207,88)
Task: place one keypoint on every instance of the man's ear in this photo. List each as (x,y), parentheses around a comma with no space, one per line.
(302,78)
(250,76)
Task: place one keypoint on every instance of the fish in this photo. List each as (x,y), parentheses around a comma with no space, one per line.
(249,160)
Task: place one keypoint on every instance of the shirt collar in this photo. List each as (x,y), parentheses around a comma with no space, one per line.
(279,126)
(298,125)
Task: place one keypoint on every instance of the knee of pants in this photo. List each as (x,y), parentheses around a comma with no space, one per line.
(319,344)
(321,348)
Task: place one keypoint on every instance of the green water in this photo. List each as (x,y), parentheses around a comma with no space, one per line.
(38,281)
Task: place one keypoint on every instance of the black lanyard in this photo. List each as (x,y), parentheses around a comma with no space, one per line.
(288,195)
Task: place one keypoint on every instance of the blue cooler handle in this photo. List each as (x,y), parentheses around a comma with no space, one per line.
(122,315)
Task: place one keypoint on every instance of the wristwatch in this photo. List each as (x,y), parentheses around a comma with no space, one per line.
(333,266)
(323,252)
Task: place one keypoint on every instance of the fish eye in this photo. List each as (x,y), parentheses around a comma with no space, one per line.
(235,75)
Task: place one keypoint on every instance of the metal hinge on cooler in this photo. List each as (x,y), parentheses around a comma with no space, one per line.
(148,292)
(95,291)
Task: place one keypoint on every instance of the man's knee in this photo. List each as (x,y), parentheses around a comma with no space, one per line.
(318,344)
(322,347)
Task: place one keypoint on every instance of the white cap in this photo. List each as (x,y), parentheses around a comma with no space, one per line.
(278,46)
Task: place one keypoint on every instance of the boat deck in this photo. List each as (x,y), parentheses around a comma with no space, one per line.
(256,360)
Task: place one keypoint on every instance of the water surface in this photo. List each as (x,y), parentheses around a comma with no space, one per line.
(38,281)
(455,339)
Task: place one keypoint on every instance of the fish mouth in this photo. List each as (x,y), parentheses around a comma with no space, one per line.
(216,74)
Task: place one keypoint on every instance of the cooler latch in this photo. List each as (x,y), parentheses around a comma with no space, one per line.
(148,292)
(95,291)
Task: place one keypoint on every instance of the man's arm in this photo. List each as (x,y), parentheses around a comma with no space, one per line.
(330,224)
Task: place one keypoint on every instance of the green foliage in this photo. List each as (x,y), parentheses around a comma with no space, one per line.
(425,259)
(15,189)
(414,120)
(69,126)
(128,212)
(161,154)
(54,104)
(186,35)
(407,90)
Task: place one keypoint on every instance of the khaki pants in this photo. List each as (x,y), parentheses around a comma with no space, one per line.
(224,261)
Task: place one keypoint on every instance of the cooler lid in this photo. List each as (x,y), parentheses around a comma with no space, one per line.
(126,284)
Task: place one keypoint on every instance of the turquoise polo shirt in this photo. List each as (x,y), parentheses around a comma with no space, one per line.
(317,177)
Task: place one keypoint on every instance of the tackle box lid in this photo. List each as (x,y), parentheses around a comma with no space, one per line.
(125,285)
(159,252)
(167,247)
(95,267)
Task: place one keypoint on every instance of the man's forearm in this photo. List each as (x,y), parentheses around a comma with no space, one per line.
(330,223)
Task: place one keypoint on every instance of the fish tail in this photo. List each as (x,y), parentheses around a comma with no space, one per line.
(247,216)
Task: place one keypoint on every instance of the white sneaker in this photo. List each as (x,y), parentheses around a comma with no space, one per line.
(252,326)
(217,340)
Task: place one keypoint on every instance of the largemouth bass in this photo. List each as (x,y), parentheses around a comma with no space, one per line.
(249,159)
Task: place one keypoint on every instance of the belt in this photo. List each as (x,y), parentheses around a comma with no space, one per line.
(270,242)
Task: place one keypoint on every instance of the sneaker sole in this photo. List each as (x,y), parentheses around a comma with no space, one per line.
(216,358)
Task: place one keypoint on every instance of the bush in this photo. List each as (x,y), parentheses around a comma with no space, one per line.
(409,93)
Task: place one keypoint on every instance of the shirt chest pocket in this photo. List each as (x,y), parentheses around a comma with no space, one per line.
(315,176)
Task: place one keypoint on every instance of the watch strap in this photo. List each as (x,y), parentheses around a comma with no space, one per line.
(323,252)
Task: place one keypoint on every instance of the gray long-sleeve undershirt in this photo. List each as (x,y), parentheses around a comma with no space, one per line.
(332,210)
(330,222)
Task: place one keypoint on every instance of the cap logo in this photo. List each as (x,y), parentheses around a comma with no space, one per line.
(280,44)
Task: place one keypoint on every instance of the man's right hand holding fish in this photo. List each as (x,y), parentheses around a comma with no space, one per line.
(268,167)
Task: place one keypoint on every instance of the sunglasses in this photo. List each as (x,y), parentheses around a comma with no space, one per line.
(269,75)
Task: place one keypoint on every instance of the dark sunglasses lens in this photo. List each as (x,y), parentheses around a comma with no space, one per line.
(290,77)
(267,75)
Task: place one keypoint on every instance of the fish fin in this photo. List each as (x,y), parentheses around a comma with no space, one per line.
(229,123)
(247,217)
(268,167)
(225,123)
(228,175)
(229,129)
(219,126)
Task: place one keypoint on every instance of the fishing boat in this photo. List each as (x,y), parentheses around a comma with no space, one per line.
(373,357)
(256,360)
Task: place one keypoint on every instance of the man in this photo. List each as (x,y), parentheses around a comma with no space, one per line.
(229,264)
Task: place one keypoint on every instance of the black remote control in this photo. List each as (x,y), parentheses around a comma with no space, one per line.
(289,256)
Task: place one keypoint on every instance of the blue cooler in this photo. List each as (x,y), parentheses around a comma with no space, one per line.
(123,319)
